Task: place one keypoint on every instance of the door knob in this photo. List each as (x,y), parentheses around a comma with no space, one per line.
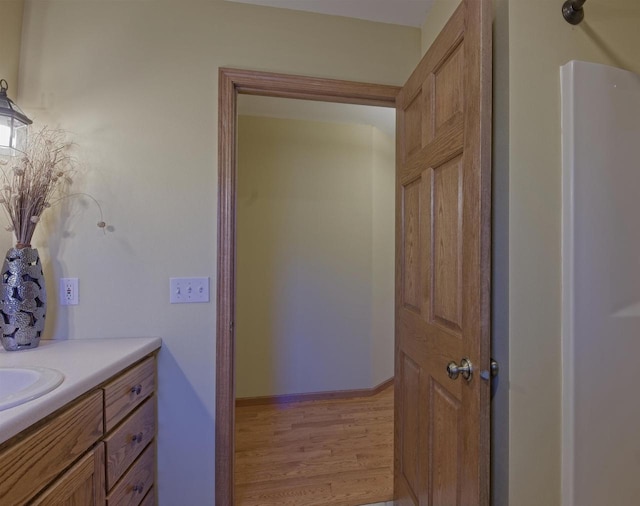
(465,368)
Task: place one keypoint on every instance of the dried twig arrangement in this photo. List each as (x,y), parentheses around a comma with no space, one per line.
(35,178)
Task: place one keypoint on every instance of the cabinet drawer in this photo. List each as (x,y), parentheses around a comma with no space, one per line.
(29,464)
(137,482)
(128,440)
(123,394)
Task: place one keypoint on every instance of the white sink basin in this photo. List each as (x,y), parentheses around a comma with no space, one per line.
(23,384)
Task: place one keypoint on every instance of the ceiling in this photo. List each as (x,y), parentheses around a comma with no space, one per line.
(397,12)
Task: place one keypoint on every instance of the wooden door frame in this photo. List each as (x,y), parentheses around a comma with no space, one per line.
(230,83)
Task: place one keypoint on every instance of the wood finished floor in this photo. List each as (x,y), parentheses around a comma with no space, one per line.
(315,453)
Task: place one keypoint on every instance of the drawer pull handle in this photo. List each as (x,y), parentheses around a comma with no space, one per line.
(136,390)
(137,438)
(139,488)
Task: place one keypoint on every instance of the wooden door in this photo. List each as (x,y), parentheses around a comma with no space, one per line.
(443,239)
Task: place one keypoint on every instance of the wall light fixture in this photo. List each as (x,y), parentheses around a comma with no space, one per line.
(13,122)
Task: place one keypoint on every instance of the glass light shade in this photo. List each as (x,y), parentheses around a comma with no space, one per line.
(5,131)
(13,122)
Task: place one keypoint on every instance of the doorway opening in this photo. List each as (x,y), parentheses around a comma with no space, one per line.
(314,338)
(233,82)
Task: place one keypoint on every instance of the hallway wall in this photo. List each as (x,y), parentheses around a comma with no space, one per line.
(315,257)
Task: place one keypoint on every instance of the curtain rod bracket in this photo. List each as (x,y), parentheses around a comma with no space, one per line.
(573,12)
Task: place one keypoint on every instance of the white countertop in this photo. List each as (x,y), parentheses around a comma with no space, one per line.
(85,364)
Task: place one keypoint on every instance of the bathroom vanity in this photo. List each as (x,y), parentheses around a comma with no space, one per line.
(90,441)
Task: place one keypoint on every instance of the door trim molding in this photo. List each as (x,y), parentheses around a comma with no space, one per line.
(230,83)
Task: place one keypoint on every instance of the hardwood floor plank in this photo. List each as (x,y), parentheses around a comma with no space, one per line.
(315,453)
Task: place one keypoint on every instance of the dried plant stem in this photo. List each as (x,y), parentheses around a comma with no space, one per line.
(101,223)
(33,179)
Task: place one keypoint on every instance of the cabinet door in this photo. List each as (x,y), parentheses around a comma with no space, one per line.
(40,455)
(82,485)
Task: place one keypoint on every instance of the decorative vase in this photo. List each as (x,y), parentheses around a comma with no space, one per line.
(23,299)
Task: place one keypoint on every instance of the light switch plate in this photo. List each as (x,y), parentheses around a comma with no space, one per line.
(188,290)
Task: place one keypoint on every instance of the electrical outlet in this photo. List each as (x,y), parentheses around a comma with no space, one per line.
(187,290)
(69,291)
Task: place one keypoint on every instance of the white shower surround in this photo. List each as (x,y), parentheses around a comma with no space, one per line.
(600,285)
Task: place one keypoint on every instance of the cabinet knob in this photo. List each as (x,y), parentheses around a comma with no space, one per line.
(136,389)
(139,488)
(137,438)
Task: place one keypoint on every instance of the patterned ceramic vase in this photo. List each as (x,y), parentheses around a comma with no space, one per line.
(23,299)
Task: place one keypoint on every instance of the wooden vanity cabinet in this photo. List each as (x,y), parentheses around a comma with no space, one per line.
(99,450)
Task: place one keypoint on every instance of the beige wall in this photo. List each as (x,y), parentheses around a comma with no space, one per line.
(438,15)
(383,256)
(314,305)
(10,33)
(531,42)
(136,83)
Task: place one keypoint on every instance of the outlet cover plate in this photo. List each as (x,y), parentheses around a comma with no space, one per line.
(69,291)
(188,290)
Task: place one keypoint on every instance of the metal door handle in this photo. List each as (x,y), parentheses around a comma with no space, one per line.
(465,368)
